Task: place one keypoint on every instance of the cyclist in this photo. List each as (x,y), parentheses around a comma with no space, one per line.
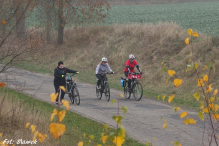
(59,78)
(101,69)
(129,68)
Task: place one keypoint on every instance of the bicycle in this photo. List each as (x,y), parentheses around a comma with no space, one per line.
(104,88)
(136,87)
(71,90)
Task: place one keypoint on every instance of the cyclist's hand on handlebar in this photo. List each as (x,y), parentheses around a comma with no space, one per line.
(141,73)
(112,72)
(63,76)
(77,72)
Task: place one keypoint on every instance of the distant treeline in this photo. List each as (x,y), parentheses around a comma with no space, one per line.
(138,2)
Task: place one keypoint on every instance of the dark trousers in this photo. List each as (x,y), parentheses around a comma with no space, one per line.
(129,81)
(62,92)
(99,77)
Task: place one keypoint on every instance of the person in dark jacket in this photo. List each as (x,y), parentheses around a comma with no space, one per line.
(59,78)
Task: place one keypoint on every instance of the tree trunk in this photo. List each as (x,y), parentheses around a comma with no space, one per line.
(61,23)
(20,19)
(48,8)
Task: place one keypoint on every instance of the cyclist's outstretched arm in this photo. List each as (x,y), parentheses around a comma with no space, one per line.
(108,67)
(137,66)
(70,71)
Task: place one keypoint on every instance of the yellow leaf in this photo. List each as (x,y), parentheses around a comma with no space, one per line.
(2,84)
(205,78)
(3,22)
(57,129)
(215,92)
(33,127)
(171,72)
(211,99)
(62,88)
(1,134)
(176,109)
(186,121)
(163,97)
(104,138)
(2,143)
(190,31)
(202,105)
(209,88)
(177,82)
(113,101)
(35,135)
(216,117)
(188,68)
(206,110)
(55,111)
(80,143)
(26,126)
(61,115)
(171,98)
(216,107)
(200,82)
(195,34)
(53,97)
(195,66)
(41,137)
(121,95)
(66,104)
(187,41)
(52,116)
(183,114)
(165,125)
(192,121)
(197,96)
(206,66)
(118,141)
(201,115)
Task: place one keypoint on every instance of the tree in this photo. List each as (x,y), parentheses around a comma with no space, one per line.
(75,13)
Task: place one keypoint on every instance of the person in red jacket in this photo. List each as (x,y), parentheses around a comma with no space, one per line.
(59,78)
(130,68)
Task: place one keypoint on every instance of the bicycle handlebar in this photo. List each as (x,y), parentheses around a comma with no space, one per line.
(134,73)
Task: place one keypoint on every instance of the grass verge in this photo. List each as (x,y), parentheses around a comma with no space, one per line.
(76,124)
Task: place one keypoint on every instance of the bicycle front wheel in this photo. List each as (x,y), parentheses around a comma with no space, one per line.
(76,95)
(137,91)
(107,92)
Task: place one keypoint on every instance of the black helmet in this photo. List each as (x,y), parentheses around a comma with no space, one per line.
(60,62)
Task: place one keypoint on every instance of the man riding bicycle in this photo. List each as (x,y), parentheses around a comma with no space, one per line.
(129,68)
(59,78)
(101,69)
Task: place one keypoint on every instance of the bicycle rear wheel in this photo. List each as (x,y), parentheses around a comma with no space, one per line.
(127,94)
(76,95)
(71,95)
(107,92)
(137,91)
(99,92)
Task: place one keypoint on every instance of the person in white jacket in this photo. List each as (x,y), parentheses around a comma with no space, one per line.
(101,69)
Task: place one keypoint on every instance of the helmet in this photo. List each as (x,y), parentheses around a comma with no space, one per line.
(104,59)
(131,56)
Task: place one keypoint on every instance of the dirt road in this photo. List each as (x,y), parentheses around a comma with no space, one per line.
(142,122)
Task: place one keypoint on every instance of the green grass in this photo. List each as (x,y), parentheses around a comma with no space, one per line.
(76,124)
(200,16)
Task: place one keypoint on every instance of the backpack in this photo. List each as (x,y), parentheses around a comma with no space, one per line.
(58,69)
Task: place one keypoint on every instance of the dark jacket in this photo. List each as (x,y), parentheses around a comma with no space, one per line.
(58,72)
